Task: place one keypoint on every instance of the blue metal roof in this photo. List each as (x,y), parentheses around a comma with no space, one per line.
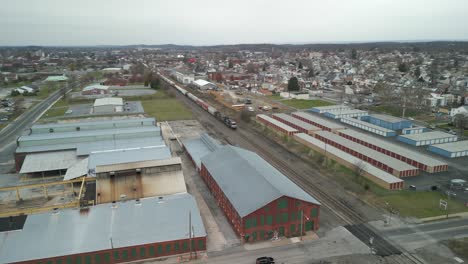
(248,181)
(200,147)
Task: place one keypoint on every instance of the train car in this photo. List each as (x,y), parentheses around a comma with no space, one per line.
(212,110)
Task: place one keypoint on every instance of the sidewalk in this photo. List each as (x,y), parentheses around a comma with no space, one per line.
(280,242)
(443,217)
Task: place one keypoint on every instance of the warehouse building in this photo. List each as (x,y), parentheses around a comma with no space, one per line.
(258,200)
(276,125)
(414,130)
(346,113)
(452,149)
(318,121)
(368,127)
(389,122)
(108,105)
(376,175)
(91,125)
(380,160)
(413,158)
(329,108)
(200,147)
(95,89)
(427,138)
(296,123)
(108,233)
(84,141)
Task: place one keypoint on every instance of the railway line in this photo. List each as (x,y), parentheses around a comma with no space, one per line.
(354,221)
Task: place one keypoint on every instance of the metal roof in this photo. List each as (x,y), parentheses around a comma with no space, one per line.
(113,157)
(88,147)
(374,154)
(49,161)
(319,120)
(453,146)
(138,165)
(346,112)
(346,120)
(388,118)
(428,136)
(94,125)
(96,86)
(200,147)
(411,154)
(299,123)
(77,170)
(369,168)
(248,181)
(70,232)
(331,108)
(56,78)
(201,82)
(90,133)
(108,101)
(276,123)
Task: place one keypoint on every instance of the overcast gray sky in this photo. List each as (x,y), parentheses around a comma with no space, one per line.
(208,22)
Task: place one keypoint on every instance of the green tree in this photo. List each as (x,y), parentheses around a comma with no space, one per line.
(417,72)
(354,54)
(403,67)
(311,73)
(293,84)
(154,83)
(300,65)
(230,64)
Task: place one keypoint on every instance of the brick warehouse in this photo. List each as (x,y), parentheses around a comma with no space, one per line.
(256,198)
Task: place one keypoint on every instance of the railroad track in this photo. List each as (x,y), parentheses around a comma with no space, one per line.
(355,222)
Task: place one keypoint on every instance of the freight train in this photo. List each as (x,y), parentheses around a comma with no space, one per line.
(210,109)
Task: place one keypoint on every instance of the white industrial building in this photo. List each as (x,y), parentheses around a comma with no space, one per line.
(108,105)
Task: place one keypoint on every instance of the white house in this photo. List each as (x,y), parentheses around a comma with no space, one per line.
(204,85)
(24,89)
(460,110)
(108,105)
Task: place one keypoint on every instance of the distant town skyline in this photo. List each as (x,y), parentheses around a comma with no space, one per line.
(209,22)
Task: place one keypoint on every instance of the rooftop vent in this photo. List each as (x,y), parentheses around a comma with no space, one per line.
(55,211)
(114,204)
(160,199)
(137,202)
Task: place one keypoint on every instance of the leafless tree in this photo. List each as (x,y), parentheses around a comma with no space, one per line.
(358,168)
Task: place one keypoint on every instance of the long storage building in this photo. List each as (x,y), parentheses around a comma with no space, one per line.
(414,130)
(200,147)
(378,176)
(317,121)
(452,149)
(108,233)
(346,113)
(427,138)
(258,200)
(296,123)
(389,122)
(389,164)
(329,108)
(414,158)
(276,125)
(369,127)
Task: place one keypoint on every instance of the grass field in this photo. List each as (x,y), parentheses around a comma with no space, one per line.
(394,110)
(305,104)
(459,247)
(58,109)
(166,109)
(420,204)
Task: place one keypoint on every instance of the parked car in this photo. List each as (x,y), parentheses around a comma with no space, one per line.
(250,109)
(265,260)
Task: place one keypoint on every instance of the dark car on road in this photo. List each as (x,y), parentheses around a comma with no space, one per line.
(265,260)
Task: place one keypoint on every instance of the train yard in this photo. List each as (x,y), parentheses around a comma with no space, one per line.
(338,207)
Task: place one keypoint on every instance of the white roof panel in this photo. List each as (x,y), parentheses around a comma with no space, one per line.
(49,161)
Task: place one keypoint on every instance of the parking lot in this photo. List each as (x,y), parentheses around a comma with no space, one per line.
(130,107)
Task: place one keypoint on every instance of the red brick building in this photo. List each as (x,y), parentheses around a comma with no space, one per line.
(257,199)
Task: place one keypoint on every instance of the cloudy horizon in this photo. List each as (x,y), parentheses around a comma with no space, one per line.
(209,22)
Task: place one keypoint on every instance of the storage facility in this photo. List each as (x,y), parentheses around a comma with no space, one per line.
(108,105)
(427,138)
(108,233)
(200,147)
(346,113)
(276,125)
(317,121)
(378,176)
(296,123)
(387,121)
(414,130)
(451,150)
(414,158)
(369,127)
(329,108)
(258,200)
(386,163)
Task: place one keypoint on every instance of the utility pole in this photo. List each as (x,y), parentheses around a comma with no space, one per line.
(190,234)
(302,221)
